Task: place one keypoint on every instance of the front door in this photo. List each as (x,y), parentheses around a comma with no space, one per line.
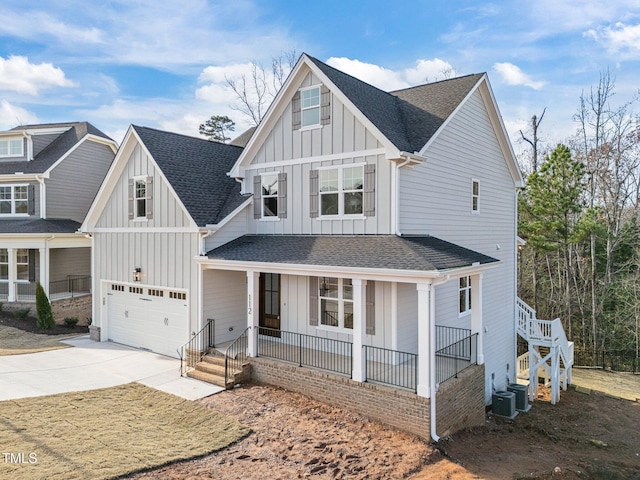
(270,304)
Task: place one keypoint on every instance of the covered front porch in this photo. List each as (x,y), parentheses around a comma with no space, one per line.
(371,323)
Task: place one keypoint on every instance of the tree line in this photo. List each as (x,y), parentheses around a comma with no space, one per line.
(580,217)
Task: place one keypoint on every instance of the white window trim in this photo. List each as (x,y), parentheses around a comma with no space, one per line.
(264,218)
(312,126)
(142,218)
(340,192)
(5,280)
(467,290)
(9,140)
(18,280)
(340,328)
(13,200)
(477,197)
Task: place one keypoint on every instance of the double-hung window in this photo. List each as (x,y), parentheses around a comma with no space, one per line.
(269,186)
(475,196)
(140,198)
(336,302)
(22,264)
(465,295)
(310,106)
(14,200)
(4,264)
(341,190)
(11,148)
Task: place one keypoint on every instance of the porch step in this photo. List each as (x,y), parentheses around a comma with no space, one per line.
(207,377)
(211,370)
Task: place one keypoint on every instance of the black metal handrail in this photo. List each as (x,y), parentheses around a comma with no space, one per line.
(236,355)
(306,350)
(391,367)
(195,349)
(453,359)
(71,286)
(446,336)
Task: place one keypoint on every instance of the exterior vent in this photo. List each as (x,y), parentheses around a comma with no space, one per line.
(522,405)
(504,404)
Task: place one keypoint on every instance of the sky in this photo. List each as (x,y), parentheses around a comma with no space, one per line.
(164,64)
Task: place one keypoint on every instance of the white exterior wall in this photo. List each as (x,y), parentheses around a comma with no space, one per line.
(407,339)
(225,300)
(435,199)
(234,228)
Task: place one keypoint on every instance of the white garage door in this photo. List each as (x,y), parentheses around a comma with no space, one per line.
(152,318)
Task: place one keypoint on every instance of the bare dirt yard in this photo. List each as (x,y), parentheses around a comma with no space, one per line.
(585,436)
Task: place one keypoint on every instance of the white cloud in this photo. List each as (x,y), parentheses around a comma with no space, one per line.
(512,75)
(18,75)
(618,38)
(12,115)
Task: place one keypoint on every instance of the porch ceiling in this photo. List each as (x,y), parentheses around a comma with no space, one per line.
(38,225)
(411,253)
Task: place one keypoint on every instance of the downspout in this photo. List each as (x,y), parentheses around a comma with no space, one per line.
(397,194)
(43,197)
(206,234)
(432,364)
(515,281)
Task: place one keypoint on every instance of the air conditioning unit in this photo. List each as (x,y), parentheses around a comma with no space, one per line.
(522,404)
(504,404)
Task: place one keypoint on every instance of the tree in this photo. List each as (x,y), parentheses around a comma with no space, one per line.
(217,127)
(43,309)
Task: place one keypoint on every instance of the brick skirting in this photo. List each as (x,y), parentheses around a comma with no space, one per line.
(460,402)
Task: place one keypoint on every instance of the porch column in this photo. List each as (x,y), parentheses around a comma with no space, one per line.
(11,252)
(359,329)
(476,314)
(424,339)
(253,315)
(44,268)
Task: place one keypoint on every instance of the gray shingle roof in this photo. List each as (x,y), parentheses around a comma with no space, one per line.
(423,253)
(242,139)
(38,225)
(197,171)
(409,117)
(52,152)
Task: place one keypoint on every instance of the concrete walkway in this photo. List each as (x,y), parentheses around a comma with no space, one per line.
(91,365)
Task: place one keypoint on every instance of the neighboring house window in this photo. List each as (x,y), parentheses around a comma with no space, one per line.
(336,302)
(4,264)
(475,196)
(270,196)
(11,148)
(311,107)
(22,264)
(341,191)
(14,199)
(465,295)
(140,198)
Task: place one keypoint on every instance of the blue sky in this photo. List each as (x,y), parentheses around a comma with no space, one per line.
(162,64)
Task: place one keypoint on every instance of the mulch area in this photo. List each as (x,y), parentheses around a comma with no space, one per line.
(29,324)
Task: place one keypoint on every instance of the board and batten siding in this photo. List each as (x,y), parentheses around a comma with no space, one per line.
(234,228)
(73,184)
(225,300)
(167,211)
(69,261)
(435,199)
(343,136)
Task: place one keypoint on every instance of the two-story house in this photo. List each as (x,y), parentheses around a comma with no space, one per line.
(49,175)
(360,248)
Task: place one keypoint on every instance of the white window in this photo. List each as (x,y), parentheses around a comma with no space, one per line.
(140,198)
(14,200)
(341,190)
(475,196)
(336,302)
(465,295)
(269,195)
(310,106)
(22,264)
(4,264)
(11,148)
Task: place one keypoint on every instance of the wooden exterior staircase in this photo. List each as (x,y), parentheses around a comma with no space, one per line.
(211,369)
(549,355)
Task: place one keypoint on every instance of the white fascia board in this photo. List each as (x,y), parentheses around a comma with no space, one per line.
(20,177)
(279,104)
(47,131)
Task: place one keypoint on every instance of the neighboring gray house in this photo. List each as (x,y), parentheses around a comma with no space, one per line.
(49,175)
(366,234)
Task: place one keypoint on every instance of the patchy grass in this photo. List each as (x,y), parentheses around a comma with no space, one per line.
(108,432)
(14,341)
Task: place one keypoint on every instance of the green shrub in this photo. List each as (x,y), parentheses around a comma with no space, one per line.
(22,313)
(70,321)
(89,320)
(43,309)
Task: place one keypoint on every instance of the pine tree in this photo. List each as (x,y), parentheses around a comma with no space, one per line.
(43,309)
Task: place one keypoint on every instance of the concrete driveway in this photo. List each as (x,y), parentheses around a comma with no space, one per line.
(91,365)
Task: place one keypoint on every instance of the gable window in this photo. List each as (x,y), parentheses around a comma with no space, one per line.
(465,295)
(336,302)
(270,196)
(269,186)
(22,264)
(475,196)
(14,200)
(140,198)
(310,106)
(341,191)
(11,148)
(4,264)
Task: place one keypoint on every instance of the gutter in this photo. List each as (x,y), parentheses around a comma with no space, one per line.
(204,234)
(432,364)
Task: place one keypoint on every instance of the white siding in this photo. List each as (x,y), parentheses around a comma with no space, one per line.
(167,212)
(225,300)
(234,228)
(435,199)
(407,336)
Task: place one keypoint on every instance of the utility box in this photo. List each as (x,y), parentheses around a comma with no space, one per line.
(504,404)
(522,405)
